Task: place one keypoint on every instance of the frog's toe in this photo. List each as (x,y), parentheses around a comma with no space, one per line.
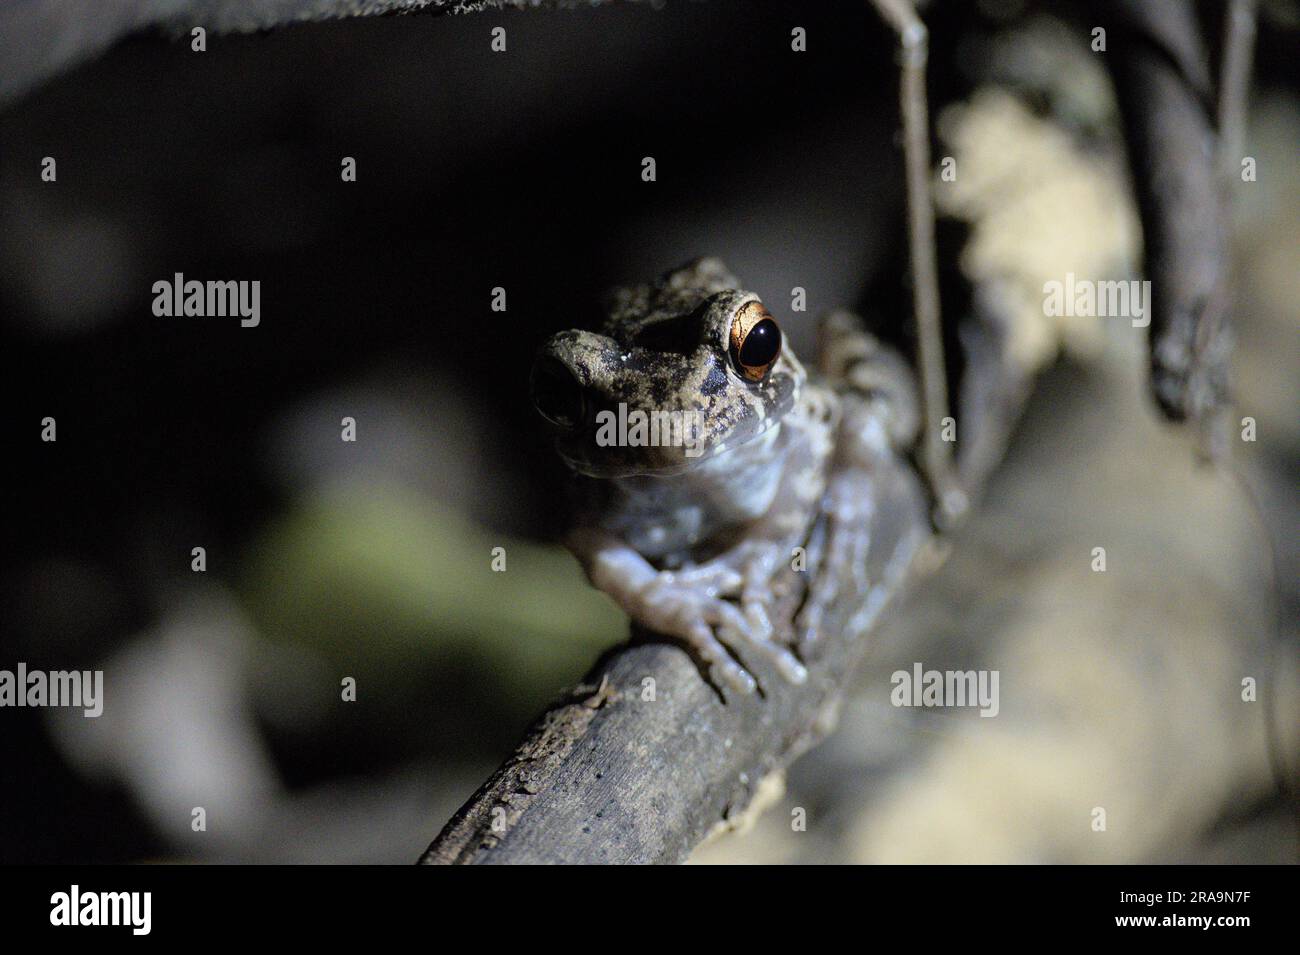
(722,668)
(730,622)
(785,662)
(789,666)
(760,622)
(716,579)
(751,632)
(808,627)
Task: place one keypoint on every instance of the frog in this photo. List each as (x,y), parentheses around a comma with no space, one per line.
(690,527)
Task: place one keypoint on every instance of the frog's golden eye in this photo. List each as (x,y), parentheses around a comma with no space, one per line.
(755,341)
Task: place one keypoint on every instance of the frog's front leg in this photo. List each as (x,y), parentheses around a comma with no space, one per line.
(690,604)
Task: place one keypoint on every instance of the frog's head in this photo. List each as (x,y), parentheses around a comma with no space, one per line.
(682,371)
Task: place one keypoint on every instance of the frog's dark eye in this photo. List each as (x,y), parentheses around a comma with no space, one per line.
(755,341)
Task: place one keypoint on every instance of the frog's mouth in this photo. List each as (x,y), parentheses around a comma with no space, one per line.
(619,447)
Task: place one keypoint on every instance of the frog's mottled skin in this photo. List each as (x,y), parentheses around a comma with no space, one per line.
(690,546)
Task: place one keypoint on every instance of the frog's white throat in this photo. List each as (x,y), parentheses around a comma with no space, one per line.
(661,514)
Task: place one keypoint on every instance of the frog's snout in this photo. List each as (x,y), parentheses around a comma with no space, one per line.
(557,395)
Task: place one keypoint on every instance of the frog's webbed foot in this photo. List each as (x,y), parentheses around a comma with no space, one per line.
(716,628)
(691,604)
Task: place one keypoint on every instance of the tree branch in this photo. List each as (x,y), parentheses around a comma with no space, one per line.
(611,776)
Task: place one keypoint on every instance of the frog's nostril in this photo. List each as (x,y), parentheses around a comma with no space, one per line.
(557,396)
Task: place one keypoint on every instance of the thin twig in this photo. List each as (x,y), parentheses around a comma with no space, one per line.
(936,454)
